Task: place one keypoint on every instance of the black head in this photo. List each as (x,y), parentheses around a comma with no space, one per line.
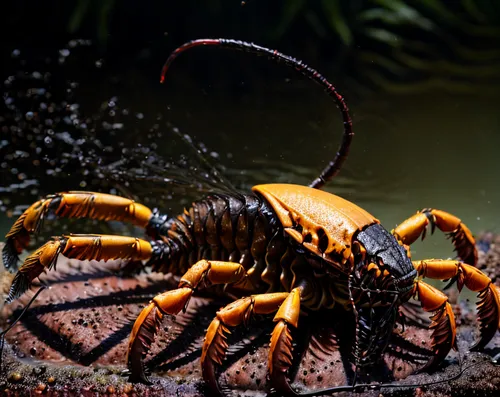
(383,249)
(381,281)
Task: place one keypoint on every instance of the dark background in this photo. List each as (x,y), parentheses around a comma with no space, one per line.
(407,41)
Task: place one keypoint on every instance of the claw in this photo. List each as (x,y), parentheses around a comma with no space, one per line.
(18,237)
(488,315)
(43,258)
(213,352)
(443,337)
(464,244)
(443,323)
(71,205)
(462,239)
(140,342)
(82,247)
(146,327)
(237,312)
(10,255)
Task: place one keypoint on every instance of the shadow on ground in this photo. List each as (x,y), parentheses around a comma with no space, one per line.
(73,341)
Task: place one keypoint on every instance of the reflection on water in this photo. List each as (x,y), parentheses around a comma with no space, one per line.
(410,152)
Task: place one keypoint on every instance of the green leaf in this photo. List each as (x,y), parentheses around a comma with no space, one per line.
(333,13)
(106,7)
(290,12)
(79,13)
(384,36)
(398,13)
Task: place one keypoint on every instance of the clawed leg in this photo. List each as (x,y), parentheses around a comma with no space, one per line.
(280,350)
(202,273)
(475,280)
(465,245)
(287,306)
(443,322)
(70,205)
(77,246)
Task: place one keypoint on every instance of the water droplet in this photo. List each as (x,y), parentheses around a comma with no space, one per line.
(15,377)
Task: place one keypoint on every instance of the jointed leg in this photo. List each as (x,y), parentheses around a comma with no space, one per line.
(408,231)
(77,246)
(71,205)
(202,273)
(234,314)
(443,322)
(240,311)
(475,280)
(280,350)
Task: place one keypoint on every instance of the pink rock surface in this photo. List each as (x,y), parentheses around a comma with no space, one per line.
(73,341)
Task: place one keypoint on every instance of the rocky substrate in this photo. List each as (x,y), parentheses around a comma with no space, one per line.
(73,341)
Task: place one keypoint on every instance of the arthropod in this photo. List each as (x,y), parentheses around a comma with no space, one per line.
(281,249)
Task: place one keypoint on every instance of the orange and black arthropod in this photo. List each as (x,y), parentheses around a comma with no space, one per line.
(281,249)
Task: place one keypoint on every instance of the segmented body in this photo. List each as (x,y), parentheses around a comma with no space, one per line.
(278,248)
(283,249)
(241,229)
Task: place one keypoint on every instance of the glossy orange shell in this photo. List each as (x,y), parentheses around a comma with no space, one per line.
(319,214)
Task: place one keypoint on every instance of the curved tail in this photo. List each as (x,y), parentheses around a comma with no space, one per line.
(334,166)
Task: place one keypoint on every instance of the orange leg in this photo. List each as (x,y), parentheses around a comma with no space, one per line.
(77,246)
(408,231)
(475,280)
(202,273)
(443,322)
(240,311)
(71,205)
(287,306)
(280,351)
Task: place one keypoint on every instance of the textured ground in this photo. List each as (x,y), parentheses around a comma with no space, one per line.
(73,339)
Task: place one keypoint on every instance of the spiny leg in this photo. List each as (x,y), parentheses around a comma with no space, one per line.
(232,315)
(475,280)
(70,205)
(443,322)
(202,273)
(77,246)
(463,241)
(280,349)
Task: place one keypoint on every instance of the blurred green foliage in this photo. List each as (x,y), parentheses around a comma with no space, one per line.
(397,45)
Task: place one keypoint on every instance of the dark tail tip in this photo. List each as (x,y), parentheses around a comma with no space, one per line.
(19,286)
(10,256)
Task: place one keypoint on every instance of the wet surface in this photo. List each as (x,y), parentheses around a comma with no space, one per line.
(73,341)
(73,121)
(65,133)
